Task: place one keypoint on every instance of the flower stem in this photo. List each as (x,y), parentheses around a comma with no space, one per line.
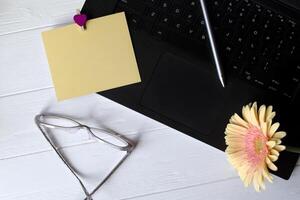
(293,149)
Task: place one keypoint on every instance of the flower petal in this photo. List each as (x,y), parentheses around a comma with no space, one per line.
(268,160)
(246,113)
(264,128)
(268,111)
(235,128)
(269,114)
(255,182)
(261,114)
(279,134)
(262,184)
(271,144)
(230,140)
(267,175)
(273,158)
(253,115)
(278,141)
(261,180)
(279,147)
(274,152)
(248,179)
(272,166)
(273,129)
(236,119)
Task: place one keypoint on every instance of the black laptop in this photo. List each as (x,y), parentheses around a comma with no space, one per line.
(258,42)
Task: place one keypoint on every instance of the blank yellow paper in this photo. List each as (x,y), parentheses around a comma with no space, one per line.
(96,59)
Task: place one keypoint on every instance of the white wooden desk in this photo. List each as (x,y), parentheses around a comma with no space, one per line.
(166,164)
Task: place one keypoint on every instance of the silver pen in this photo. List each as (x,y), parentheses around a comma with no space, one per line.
(212,43)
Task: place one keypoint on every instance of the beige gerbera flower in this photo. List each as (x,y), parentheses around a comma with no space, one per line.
(254,144)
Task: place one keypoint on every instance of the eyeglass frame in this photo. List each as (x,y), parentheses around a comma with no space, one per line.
(128,148)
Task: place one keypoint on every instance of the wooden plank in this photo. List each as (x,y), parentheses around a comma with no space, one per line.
(20,15)
(232,189)
(23,63)
(163,160)
(19,134)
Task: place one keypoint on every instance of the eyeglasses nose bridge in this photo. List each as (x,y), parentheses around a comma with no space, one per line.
(84,127)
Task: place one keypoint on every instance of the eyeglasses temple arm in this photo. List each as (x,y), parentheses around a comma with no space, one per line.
(110,173)
(88,195)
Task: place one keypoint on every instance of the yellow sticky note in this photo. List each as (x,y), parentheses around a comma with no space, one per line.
(92,60)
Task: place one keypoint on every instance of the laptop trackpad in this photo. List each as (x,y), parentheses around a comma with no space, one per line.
(185,93)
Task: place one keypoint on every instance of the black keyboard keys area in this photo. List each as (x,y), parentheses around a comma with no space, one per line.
(257,43)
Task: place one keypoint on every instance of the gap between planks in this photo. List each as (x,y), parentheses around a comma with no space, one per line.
(181,188)
(35,28)
(25,91)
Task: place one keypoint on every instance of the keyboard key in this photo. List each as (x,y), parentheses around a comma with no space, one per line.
(272,88)
(159,32)
(259,82)
(152,2)
(189,17)
(297,71)
(151,13)
(191,5)
(133,20)
(177,11)
(165,5)
(289,90)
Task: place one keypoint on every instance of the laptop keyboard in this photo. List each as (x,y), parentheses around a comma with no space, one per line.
(259,44)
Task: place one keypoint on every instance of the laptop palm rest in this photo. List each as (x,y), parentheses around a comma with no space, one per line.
(185,93)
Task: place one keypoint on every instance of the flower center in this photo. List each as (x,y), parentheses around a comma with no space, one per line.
(256,148)
(259,144)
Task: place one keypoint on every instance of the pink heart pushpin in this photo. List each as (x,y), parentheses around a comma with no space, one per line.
(80,19)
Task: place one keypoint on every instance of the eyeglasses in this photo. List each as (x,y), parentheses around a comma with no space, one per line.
(108,137)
